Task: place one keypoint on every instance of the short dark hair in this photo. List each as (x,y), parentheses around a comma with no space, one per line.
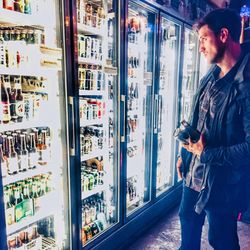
(222,18)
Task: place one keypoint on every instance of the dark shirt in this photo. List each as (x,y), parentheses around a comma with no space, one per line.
(209,98)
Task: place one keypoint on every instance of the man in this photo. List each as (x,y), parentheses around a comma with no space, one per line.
(214,168)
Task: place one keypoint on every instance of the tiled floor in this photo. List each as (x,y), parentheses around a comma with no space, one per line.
(165,235)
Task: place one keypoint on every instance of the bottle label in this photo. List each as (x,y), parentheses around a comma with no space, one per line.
(6,112)
(20,108)
(4,168)
(33,159)
(44,156)
(13,165)
(23,162)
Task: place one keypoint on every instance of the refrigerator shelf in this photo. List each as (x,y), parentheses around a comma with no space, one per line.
(88,30)
(108,69)
(45,211)
(96,190)
(22,125)
(93,154)
(91,122)
(133,202)
(13,18)
(36,72)
(90,93)
(83,60)
(25,175)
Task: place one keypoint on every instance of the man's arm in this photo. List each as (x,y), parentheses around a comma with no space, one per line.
(233,154)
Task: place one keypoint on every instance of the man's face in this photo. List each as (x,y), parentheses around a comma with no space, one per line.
(210,45)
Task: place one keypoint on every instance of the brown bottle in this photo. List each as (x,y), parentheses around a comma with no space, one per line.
(5,103)
(19,100)
(12,97)
(42,149)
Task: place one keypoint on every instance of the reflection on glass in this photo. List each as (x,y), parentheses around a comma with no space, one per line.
(167,96)
(140,44)
(189,84)
(98,79)
(204,66)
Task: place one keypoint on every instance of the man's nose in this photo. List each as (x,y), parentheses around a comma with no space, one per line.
(201,48)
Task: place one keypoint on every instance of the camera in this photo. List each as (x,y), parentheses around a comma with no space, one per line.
(185,132)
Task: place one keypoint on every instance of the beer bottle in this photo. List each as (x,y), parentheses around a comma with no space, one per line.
(42,149)
(6,35)
(19,100)
(8,4)
(2,45)
(23,154)
(26,191)
(32,152)
(18,242)
(23,36)
(34,189)
(5,147)
(27,7)
(17,195)
(34,234)
(5,103)
(12,157)
(3,162)
(13,114)
(26,237)
(18,35)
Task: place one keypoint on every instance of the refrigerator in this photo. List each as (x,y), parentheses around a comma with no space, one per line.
(97,95)
(166,102)
(189,81)
(33,127)
(137,98)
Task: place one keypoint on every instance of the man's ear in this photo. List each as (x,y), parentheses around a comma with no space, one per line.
(224,34)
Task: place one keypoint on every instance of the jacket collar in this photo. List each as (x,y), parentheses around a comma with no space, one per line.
(243,72)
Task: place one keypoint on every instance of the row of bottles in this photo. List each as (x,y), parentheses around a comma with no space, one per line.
(17,106)
(22,6)
(91,109)
(24,150)
(90,14)
(94,216)
(37,236)
(91,175)
(90,48)
(27,239)
(91,139)
(29,36)
(23,198)
(90,77)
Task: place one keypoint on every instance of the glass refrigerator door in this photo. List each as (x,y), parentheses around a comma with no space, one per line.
(139,100)
(203,67)
(189,83)
(32,125)
(98,86)
(169,61)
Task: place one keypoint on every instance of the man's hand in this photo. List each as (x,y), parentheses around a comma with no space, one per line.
(178,167)
(195,148)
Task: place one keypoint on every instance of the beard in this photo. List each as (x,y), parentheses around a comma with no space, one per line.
(221,48)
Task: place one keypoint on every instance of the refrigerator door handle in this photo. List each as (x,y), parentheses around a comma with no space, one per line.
(72,140)
(123,99)
(156,114)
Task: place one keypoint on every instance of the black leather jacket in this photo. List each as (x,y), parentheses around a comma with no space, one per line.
(227,152)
